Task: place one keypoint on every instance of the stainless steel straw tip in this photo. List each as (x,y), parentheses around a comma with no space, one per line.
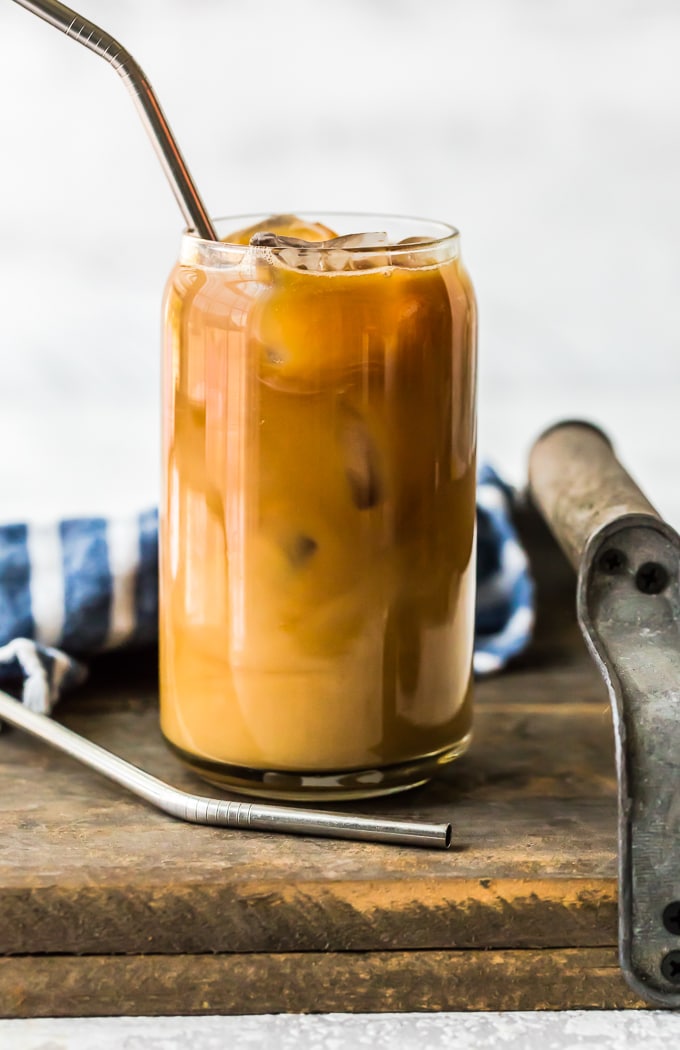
(349,826)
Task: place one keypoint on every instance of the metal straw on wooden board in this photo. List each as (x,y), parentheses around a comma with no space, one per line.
(198,809)
(153,118)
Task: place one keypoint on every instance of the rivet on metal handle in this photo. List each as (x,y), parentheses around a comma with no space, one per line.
(153,118)
(197,809)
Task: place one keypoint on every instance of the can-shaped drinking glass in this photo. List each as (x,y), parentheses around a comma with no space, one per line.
(317,558)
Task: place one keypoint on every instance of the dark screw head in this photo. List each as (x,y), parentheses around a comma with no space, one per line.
(612,561)
(670,967)
(671,918)
(651,578)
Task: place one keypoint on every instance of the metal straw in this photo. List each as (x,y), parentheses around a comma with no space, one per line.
(153,118)
(198,809)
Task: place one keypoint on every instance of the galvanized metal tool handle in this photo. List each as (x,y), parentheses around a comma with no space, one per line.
(153,118)
(197,809)
(628,605)
(579,485)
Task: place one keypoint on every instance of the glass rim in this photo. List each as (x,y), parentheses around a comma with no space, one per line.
(431,234)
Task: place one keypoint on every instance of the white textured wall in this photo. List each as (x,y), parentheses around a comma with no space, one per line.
(549,133)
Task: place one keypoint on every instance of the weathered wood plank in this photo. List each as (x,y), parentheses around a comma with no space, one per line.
(65,986)
(87,870)
(310,916)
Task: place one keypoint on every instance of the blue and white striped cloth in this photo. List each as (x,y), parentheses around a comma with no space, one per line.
(504,616)
(83,586)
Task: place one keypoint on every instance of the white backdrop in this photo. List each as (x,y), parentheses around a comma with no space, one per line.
(548,132)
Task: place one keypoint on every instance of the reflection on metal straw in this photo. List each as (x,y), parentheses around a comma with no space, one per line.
(197,809)
(91,36)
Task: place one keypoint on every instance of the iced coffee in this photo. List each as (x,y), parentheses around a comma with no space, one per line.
(318,523)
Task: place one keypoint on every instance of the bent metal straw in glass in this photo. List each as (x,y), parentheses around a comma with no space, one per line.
(153,118)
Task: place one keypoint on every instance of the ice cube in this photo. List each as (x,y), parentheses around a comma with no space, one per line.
(299,548)
(288,225)
(362,463)
(417,257)
(358,240)
(344,253)
(332,255)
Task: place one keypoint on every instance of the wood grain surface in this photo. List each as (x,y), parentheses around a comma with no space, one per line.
(311,982)
(89,874)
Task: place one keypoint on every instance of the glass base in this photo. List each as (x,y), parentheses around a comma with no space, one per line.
(332,786)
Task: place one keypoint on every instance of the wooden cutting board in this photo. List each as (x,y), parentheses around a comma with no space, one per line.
(109,907)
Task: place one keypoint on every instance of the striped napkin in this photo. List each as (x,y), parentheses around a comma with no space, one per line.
(82,586)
